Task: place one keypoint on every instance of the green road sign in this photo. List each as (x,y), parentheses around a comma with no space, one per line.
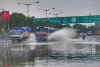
(73,19)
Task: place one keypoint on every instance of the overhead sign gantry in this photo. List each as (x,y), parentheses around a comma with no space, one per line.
(72,19)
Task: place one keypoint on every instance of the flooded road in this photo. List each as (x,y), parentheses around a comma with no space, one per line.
(66,53)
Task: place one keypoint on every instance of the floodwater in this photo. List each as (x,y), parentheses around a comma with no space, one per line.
(64,52)
(77,52)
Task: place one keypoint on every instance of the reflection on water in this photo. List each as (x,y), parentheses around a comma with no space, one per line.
(42,51)
(15,56)
(49,53)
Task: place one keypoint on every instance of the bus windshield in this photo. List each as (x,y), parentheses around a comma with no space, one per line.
(37,30)
(15,32)
(44,30)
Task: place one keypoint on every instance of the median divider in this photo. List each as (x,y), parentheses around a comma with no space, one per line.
(2,37)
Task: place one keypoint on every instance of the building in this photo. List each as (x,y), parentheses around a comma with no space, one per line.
(97,24)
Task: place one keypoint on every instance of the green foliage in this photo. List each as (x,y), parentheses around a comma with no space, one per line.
(42,23)
(49,24)
(83,28)
(17,20)
(20,20)
(92,28)
(57,25)
(29,22)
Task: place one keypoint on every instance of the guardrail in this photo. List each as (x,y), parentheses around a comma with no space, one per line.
(5,37)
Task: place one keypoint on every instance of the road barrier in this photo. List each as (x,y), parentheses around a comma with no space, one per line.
(4,36)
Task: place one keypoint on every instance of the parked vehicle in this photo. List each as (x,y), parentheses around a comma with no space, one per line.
(20,33)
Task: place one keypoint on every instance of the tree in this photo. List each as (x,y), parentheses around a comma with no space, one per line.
(57,25)
(30,22)
(20,20)
(93,29)
(49,24)
(42,23)
(17,20)
(83,28)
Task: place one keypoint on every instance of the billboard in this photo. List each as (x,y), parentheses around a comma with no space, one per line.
(5,14)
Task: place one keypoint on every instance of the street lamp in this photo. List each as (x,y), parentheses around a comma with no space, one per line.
(56,14)
(46,11)
(28,6)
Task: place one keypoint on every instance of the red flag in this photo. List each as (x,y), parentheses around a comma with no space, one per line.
(5,14)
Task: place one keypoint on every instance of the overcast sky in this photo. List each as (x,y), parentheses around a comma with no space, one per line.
(69,7)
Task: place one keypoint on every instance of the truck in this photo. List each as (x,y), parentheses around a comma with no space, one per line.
(20,33)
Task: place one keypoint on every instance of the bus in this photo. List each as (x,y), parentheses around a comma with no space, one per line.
(42,33)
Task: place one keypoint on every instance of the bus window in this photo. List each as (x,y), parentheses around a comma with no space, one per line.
(16,32)
(52,31)
(38,30)
(48,30)
(44,30)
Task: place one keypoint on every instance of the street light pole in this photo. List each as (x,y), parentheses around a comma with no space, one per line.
(46,11)
(28,6)
(56,15)
(28,10)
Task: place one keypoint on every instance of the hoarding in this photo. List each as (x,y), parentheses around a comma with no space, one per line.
(5,14)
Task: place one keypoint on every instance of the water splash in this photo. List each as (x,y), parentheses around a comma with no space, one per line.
(32,37)
(62,38)
(62,34)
